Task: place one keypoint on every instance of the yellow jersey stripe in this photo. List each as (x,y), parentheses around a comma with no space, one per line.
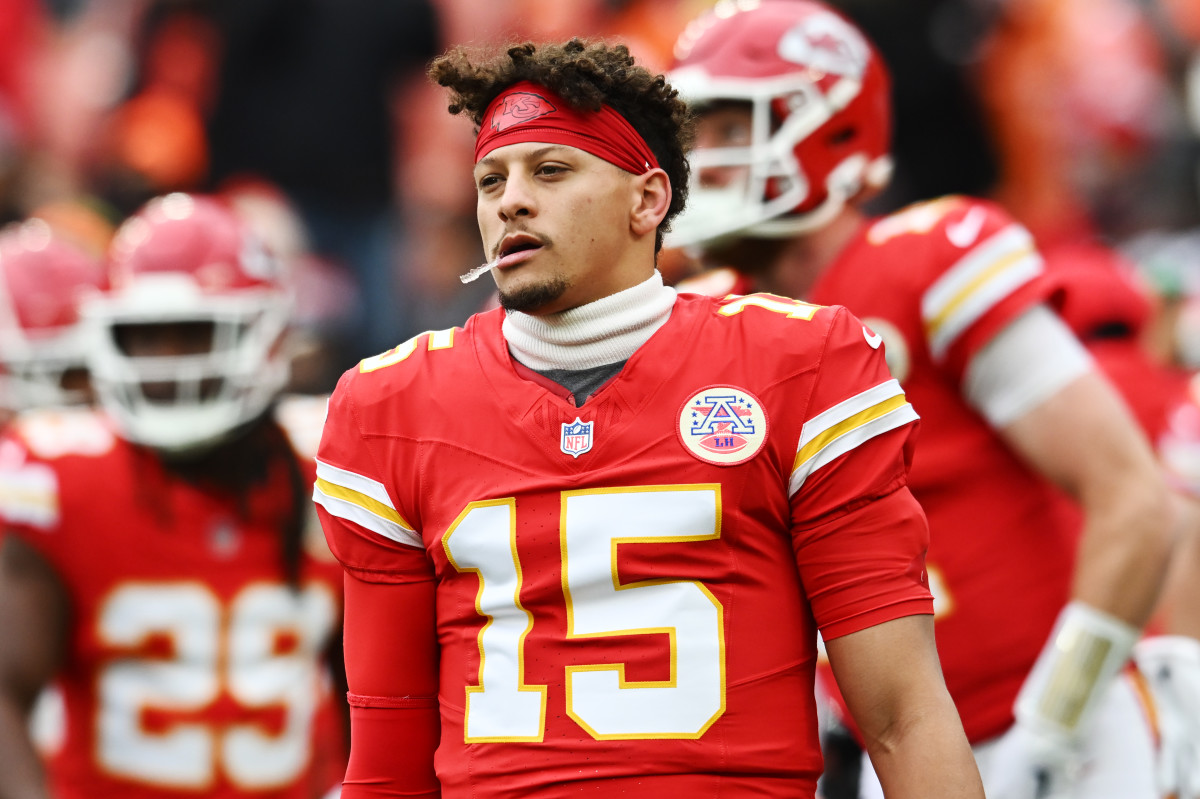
(809,450)
(933,325)
(385,512)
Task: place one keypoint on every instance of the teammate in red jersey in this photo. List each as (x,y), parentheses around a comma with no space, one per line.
(161,561)
(590,537)
(1035,618)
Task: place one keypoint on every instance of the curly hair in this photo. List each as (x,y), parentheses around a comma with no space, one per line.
(586,74)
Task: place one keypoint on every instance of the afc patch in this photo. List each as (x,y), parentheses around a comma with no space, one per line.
(576,437)
(723,425)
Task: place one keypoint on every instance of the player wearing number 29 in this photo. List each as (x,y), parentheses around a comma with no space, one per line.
(156,563)
(1035,622)
(590,536)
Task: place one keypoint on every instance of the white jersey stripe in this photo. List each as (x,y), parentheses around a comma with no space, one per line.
(348,506)
(364,501)
(355,482)
(846,425)
(29,495)
(980,280)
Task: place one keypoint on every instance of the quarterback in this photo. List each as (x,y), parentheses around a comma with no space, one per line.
(590,536)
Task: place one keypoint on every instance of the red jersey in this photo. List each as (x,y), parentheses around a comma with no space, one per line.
(629,591)
(1108,310)
(192,669)
(937,281)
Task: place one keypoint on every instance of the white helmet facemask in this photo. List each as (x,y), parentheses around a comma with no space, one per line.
(744,206)
(192,402)
(35,369)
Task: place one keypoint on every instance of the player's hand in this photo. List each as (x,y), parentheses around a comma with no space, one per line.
(1171,664)
(1029,764)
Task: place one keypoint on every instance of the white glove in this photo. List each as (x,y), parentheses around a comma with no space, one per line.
(1026,763)
(1171,664)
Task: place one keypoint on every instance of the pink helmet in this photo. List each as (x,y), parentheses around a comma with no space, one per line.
(42,341)
(818,94)
(183,259)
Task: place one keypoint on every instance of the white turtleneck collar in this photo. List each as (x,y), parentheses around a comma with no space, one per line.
(606,331)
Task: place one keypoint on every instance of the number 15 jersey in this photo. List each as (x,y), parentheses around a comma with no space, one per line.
(628,592)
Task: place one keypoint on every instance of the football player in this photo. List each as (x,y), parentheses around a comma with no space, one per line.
(42,341)
(159,563)
(1036,613)
(590,536)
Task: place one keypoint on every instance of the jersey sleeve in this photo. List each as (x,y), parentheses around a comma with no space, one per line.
(989,272)
(858,534)
(31,495)
(367,530)
(30,502)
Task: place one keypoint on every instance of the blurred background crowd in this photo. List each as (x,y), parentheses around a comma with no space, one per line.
(315,119)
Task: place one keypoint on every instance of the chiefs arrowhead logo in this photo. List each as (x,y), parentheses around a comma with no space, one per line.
(825,42)
(518,108)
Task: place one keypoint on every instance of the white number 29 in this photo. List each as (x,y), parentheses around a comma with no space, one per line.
(595,524)
(214,650)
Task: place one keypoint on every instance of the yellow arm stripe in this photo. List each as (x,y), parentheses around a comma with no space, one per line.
(843,427)
(809,450)
(385,512)
(932,326)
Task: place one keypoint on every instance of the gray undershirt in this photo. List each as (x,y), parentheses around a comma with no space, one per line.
(582,383)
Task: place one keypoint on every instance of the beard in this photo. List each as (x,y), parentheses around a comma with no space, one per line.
(528,299)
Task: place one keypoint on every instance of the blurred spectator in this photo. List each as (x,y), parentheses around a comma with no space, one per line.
(298,93)
(1078,98)
(304,98)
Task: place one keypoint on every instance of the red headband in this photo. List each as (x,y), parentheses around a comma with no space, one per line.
(527,112)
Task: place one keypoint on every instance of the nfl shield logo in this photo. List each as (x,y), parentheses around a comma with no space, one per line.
(576,437)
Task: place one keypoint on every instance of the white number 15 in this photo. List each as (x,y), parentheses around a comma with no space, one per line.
(594,525)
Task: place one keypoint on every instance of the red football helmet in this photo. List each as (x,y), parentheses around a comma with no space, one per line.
(42,341)
(818,96)
(189,260)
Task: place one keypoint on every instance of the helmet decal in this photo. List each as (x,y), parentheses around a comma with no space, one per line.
(815,95)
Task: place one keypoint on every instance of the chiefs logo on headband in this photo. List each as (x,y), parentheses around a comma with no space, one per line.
(604,133)
(518,107)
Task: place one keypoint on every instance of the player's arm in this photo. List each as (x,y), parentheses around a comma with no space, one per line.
(1039,389)
(1170,659)
(33,616)
(1041,392)
(860,539)
(891,680)
(389,622)
(1170,662)
(1085,440)
(392,671)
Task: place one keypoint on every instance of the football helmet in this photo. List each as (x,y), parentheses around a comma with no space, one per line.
(818,96)
(42,340)
(189,260)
